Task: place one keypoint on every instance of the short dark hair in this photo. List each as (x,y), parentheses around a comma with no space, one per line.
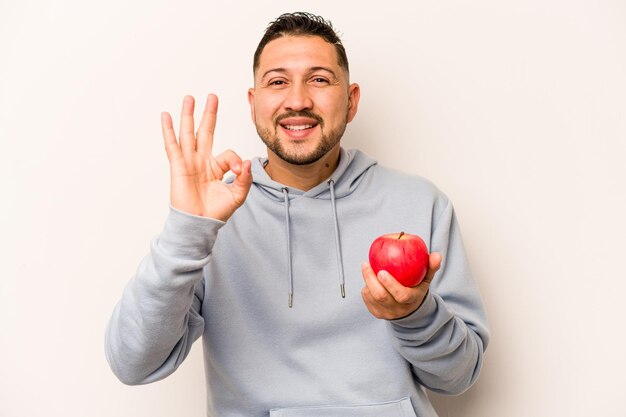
(301,24)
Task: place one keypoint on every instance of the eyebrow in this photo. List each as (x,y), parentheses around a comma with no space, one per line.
(312,69)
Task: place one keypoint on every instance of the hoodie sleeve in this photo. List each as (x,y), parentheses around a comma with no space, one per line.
(445,339)
(158,317)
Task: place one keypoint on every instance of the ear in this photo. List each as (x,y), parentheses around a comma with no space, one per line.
(354,94)
(251,102)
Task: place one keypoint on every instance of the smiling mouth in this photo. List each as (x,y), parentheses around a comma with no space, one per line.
(299,123)
(298,127)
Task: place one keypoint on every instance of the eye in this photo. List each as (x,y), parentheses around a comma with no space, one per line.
(276,83)
(320,80)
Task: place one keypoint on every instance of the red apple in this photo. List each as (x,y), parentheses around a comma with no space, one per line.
(403,255)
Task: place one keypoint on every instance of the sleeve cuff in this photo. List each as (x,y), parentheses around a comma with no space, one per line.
(421,317)
(188,236)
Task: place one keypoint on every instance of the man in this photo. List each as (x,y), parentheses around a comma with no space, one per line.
(268,267)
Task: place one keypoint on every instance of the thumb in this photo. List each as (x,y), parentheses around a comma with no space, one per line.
(243,180)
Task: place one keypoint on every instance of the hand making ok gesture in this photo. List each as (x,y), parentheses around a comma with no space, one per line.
(196,185)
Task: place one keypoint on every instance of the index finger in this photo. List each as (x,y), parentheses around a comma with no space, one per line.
(400,293)
(207,125)
(409,295)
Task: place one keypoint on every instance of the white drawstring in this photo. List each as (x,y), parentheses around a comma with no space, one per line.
(287,230)
(342,277)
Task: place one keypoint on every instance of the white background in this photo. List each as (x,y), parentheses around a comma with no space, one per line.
(516,110)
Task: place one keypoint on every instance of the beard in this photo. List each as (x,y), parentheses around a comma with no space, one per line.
(298,154)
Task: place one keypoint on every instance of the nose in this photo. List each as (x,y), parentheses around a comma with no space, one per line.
(298,98)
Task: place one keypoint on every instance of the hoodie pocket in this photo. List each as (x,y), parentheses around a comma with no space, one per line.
(401,408)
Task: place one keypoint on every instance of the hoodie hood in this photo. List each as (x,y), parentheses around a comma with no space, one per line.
(346,178)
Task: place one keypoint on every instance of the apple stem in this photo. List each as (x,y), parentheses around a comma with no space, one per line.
(401,234)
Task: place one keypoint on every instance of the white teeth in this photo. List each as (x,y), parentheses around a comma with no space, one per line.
(299,127)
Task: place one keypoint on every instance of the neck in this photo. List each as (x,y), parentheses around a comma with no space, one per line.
(302,177)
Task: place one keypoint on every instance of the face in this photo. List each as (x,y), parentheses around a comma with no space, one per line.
(302,99)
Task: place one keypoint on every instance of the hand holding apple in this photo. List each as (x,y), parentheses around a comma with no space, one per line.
(403,255)
(388,299)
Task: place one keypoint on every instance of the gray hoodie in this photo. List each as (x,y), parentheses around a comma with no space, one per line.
(326,355)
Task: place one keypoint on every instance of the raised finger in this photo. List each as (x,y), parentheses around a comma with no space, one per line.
(169,137)
(186,136)
(207,125)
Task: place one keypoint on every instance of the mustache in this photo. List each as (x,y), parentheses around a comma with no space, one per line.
(302,113)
